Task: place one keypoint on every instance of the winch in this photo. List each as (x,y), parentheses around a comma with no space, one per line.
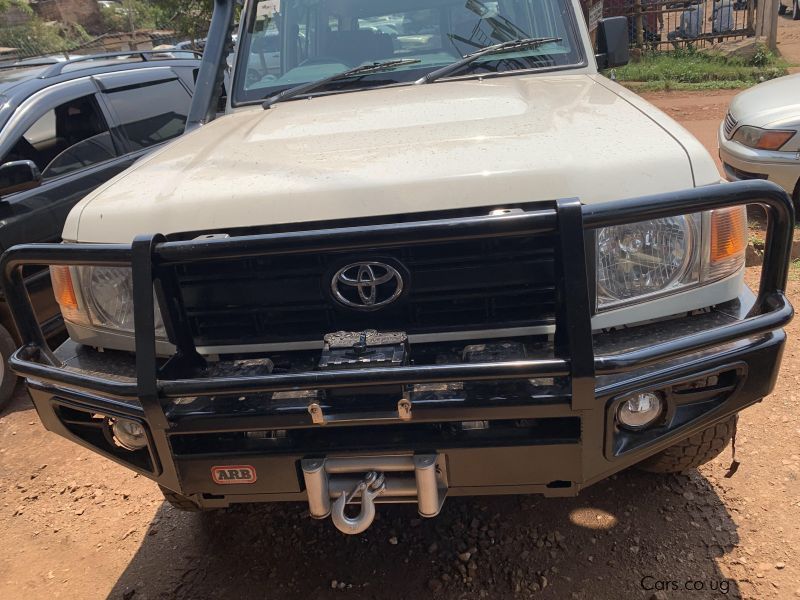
(333,483)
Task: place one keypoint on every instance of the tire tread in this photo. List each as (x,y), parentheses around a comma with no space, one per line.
(694,451)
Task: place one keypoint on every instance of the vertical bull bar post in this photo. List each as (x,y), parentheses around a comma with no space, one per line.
(145,343)
(573,338)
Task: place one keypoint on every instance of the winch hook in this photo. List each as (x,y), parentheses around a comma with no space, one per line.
(368,488)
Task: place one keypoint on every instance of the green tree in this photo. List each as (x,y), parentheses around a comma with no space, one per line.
(130,14)
(6,4)
(35,38)
(190,18)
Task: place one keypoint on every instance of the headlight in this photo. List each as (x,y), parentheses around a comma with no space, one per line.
(648,259)
(106,297)
(108,294)
(762,139)
(644,258)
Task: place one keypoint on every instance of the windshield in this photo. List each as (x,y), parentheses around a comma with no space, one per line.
(289,42)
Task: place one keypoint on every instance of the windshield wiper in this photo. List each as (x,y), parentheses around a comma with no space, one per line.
(303,88)
(509,46)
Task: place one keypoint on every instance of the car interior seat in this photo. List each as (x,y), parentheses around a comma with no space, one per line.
(77,121)
(359,46)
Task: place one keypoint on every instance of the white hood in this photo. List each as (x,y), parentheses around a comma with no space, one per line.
(773,103)
(397,150)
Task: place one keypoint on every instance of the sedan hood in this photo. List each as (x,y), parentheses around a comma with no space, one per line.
(771,103)
(399,150)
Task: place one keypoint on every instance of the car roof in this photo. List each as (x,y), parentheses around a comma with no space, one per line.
(20,80)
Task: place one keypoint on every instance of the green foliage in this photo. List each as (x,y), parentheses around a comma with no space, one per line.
(130,14)
(673,86)
(688,68)
(37,37)
(189,18)
(79,34)
(20,4)
(763,57)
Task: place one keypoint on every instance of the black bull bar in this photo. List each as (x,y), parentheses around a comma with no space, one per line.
(151,256)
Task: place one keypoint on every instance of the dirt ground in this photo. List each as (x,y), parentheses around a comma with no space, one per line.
(77,526)
(789,42)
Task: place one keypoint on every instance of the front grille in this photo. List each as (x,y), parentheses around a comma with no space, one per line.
(730,125)
(456,286)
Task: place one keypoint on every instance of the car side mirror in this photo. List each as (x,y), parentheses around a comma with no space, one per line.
(612,42)
(18,176)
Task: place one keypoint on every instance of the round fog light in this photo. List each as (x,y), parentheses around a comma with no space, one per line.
(640,410)
(128,434)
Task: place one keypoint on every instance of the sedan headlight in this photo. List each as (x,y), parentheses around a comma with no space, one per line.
(103,297)
(649,259)
(762,139)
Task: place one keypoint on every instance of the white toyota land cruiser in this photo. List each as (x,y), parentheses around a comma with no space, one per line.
(428,251)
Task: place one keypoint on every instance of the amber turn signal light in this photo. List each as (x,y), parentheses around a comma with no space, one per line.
(728,233)
(773,140)
(64,292)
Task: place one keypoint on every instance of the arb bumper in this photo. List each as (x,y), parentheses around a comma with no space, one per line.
(240,430)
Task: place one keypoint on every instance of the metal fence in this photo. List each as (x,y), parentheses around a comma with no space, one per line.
(655,24)
(109,42)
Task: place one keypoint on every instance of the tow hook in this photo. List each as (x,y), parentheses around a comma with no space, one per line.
(369,488)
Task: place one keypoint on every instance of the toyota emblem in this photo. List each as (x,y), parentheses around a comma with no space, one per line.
(367,285)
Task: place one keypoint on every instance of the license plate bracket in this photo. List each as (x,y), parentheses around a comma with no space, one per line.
(364,349)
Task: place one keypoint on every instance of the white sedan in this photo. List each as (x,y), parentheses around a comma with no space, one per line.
(760,139)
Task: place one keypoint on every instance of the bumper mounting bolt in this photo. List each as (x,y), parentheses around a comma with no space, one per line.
(315,410)
(404,409)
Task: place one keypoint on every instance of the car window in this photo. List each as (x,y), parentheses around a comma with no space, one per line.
(90,151)
(151,113)
(44,129)
(55,142)
(294,41)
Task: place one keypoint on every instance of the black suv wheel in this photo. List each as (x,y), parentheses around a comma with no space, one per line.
(694,451)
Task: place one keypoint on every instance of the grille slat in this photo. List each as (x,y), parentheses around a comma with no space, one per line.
(730,125)
(457,286)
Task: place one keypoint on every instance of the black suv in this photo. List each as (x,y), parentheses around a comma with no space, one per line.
(65,128)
